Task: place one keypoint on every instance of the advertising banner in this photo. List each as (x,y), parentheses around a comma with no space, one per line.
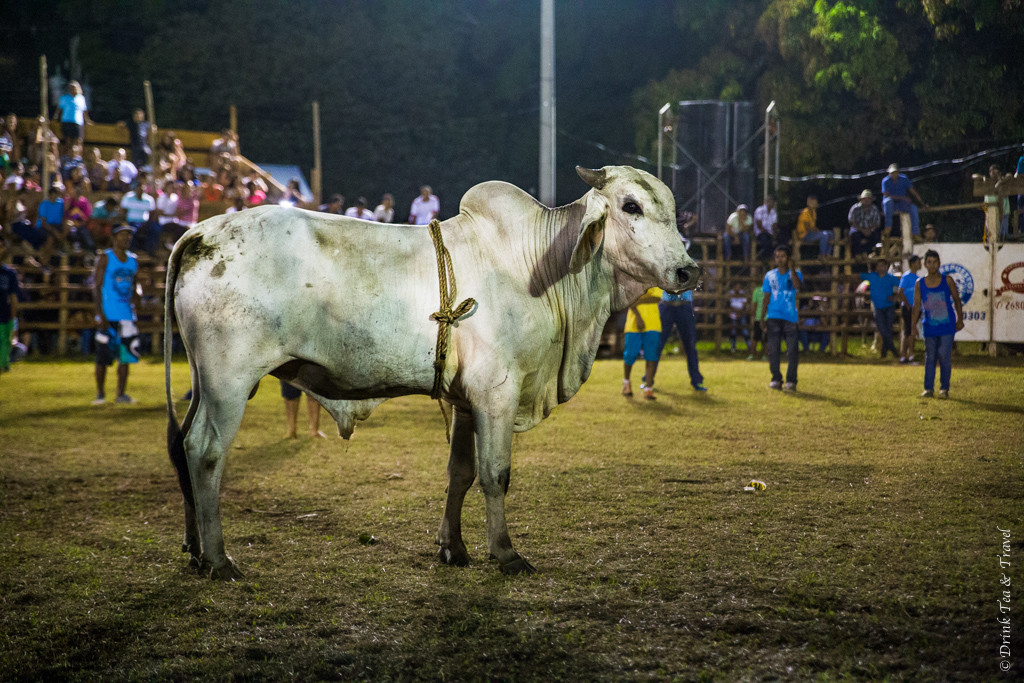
(970,266)
(1008,294)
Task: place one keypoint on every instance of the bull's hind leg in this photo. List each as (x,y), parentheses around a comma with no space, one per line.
(461,473)
(217,418)
(191,543)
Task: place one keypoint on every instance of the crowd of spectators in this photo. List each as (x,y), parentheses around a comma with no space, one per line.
(745,236)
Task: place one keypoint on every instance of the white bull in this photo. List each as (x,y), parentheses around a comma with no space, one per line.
(342,309)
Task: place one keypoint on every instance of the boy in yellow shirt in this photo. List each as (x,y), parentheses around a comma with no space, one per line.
(643,331)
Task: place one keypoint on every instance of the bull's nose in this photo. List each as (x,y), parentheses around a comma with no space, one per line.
(688,276)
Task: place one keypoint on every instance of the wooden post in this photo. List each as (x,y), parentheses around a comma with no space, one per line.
(233,119)
(315,176)
(150,114)
(992,218)
(908,238)
(62,311)
(44,111)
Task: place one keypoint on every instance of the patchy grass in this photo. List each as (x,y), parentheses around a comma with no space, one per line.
(870,556)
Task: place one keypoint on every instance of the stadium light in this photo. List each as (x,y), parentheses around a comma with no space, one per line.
(661,130)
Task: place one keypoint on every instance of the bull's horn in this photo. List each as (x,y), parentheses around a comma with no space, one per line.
(596,178)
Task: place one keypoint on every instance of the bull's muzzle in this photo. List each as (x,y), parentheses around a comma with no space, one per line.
(688,276)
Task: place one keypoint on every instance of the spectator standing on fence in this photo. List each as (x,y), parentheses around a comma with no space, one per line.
(807,228)
(121,173)
(865,226)
(908,296)
(385,211)
(676,310)
(292,397)
(138,136)
(884,295)
(896,191)
(781,287)
(425,207)
(73,114)
(766,217)
(643,333)
(737,232)
(9,289)
(937,303)
(115,296)
(360,211)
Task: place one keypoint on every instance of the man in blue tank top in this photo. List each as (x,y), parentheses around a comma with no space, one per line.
(115,295)
(781,288)
(938,300)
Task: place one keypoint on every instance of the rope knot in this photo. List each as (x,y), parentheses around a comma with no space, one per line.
(445,317)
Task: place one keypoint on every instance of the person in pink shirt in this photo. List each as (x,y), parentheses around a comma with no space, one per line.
(257,195)
(187,213)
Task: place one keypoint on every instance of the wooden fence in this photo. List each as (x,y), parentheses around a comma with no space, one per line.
(828,296)
(60,297)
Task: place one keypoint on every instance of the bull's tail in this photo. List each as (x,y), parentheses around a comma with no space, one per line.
(175,437)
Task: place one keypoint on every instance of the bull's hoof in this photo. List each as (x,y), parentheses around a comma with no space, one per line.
(454,557)
(223,572)
(517,565)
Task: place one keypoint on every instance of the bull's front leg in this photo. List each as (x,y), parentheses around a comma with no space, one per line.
(494,463)
(461,473)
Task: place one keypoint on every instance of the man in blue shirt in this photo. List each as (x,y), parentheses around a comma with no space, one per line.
(884,295)
(47,229)
(676,310)
(778,310)
(896,191)
(907,292)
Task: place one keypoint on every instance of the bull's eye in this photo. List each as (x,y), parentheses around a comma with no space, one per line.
(633,208)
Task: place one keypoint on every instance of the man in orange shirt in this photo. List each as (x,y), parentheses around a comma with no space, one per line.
(807,227)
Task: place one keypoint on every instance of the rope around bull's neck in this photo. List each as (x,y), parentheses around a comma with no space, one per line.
(446,316)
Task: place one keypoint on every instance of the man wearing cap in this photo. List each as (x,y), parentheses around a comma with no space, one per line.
(896,191)
(865,225)
(737,231)
(115,295)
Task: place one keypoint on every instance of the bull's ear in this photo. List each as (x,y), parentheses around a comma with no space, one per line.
(595,177)
(591,232)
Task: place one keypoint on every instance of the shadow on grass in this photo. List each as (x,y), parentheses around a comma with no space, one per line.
(991,407)
(837,402)
(105,412)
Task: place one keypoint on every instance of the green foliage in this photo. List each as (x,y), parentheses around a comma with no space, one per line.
(859,81)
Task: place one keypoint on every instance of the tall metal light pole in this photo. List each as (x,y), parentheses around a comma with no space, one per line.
(661,131)
(547,102)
